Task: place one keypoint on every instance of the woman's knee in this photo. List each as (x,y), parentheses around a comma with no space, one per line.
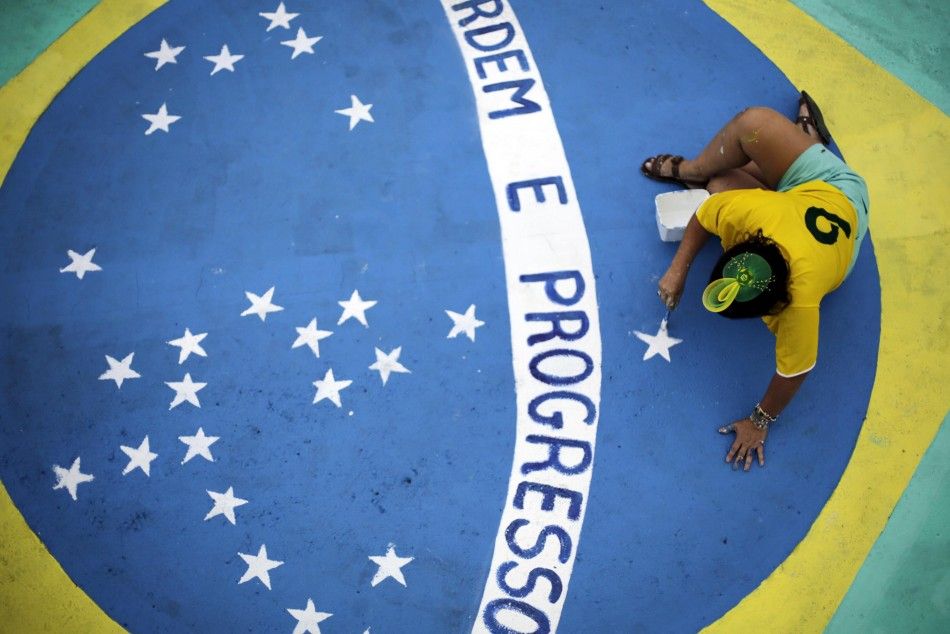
(756,116)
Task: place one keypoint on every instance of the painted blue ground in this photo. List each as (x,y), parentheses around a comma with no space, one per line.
(261,184)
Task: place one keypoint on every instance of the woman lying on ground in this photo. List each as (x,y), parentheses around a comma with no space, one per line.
(791,216)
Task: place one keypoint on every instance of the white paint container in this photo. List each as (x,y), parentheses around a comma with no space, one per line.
(673,211)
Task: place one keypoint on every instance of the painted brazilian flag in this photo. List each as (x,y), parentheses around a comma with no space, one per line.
(342,317)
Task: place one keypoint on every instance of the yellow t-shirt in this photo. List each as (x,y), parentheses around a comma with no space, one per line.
(815,225)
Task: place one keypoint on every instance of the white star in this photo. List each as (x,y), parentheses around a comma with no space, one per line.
(358,111)
(261,304)
(466,323)
(199,445)
(659,344)
(387,363)
(71,478)
(223,60)
(311,337)
(258,566)
(189,343)
(119,371)
(308,619)
(185,390)
(80,264)
(224,504)
(165,54)
(280,17)
(355,307)
(160,120)
(329,388)
(302,43)
(390,565)
(140,458)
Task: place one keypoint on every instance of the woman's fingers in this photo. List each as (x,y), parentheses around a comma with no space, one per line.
(669,299)
(740,458)
(733,451)
(748,459)
(739,454)
(744,449)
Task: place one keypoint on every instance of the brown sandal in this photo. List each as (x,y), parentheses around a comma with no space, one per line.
(813,118)
(656,165)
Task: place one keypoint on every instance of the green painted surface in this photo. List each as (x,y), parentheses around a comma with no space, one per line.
(27,27)
(909,38)
(904,584)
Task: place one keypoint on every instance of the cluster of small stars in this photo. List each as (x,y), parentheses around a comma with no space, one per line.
(225,60)
(191,345)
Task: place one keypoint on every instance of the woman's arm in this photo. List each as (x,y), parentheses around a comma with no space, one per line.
(674,280)
(749,438)
(780,392)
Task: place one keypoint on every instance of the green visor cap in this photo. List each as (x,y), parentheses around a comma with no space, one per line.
(745,277)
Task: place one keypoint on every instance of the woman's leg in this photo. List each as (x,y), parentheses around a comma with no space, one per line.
(758,135)
(741,178)
(753,170)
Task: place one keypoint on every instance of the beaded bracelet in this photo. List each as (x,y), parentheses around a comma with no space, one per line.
(760,418)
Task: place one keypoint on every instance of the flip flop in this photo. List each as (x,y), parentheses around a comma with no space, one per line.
(656,164)
(814,118)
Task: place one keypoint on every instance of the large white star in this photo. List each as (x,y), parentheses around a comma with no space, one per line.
(466,323)
(259,566)
(390,565)
(185,390)
(658,344)
(189,343)
(355,307)
(310,337)
(280,17)
(358,111)
(261,304)
(308,619)
(139,458)
(119,371)
(199,445)
(224,504)
(302,43)
(71,478)
(80,264)
(165,54)
(387,363)
(329,388)
(160,120)
(223,60)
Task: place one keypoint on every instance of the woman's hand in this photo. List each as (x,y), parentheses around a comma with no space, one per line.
(670,288)
(749,440)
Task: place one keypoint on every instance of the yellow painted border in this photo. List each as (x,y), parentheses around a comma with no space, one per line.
(890,134)
(36,594)
(25,97)
(898,141)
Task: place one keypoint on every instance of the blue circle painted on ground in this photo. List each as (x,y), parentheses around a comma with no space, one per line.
(261,184)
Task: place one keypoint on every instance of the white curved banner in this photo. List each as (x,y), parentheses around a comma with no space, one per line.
(555,330)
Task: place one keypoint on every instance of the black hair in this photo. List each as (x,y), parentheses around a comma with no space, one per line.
(774,298)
